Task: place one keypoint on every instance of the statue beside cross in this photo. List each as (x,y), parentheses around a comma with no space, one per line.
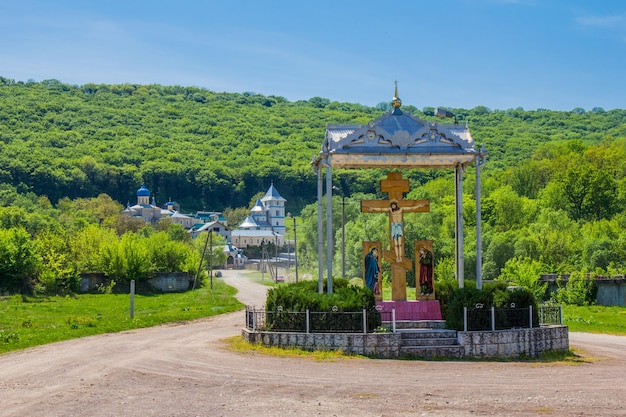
(395,187)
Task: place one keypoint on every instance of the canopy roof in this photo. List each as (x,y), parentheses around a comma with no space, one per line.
(398,139)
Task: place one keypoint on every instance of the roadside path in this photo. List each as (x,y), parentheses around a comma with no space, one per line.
(188,370)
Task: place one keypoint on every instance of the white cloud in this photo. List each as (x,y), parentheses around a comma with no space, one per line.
(601,21)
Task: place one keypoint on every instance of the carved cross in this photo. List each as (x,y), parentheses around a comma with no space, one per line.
(395,186)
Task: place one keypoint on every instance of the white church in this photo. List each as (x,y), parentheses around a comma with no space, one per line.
(265,224)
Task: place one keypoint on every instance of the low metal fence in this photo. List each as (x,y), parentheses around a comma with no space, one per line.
(480,317)
(476,318)
(312,321)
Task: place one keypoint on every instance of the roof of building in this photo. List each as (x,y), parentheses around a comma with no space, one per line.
(143,191)
(180,215)
(254,233)
(248,223)
(210,215)
(202,227)
(272,194)
(258,207)
(144,206)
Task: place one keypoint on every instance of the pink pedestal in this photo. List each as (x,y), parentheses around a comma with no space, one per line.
(411,310)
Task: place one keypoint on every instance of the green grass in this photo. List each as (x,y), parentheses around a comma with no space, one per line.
(261,278)
(238,344)
(32,321)
(595,319)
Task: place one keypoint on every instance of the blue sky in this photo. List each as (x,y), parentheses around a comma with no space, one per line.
(554,54)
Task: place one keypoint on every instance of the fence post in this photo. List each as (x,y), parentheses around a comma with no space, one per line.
(307,321)
(561,314)
(393,319)
(541,318)
(254,319)
(530,313)
(493,319)
(364,322)
(132,298)
(464,318)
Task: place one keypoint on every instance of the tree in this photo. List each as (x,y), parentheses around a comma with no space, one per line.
(526,273)
(500,248)
(19,260)
(508,209)
(236,216)
(558,240)
(86,245)
(57,274)
(528,178)
(127,259)
(168,254)
(587,193)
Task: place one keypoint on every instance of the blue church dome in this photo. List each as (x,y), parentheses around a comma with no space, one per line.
(143,191)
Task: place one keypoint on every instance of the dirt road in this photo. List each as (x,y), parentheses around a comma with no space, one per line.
(186,370)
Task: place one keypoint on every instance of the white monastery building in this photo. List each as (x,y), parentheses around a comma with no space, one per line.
(265,224)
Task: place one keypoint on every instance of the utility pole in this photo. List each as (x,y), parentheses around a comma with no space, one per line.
(295,244)
(211,257)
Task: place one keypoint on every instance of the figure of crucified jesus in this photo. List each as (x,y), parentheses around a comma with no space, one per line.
(397,230)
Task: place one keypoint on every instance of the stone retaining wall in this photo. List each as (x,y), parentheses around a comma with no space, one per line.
(163,281)
(514,343)
(171,281)
(89,281)
(499,344)
(386,345)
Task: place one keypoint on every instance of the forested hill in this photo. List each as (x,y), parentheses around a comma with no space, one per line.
(209,150)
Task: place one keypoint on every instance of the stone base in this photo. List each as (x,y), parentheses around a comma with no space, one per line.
(412,310)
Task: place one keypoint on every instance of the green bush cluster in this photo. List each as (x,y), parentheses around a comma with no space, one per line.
(492,295)
(303,296)
(51,263)
(577,290)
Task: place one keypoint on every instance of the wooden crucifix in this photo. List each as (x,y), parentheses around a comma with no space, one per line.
(396,206)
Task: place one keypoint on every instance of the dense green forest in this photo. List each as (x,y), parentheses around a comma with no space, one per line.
(553,199)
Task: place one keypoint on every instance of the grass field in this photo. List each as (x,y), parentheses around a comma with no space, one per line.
(595,319)
(32,321)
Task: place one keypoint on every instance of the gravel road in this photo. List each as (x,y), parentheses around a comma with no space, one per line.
(188,370)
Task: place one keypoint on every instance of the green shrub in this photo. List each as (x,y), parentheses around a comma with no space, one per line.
(443,290)
(19,261)
(525,272)
(446,287)
(492,294)
(303,296)
(465,297)
(578,290)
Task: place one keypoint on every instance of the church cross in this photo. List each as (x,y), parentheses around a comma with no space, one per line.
(396,206)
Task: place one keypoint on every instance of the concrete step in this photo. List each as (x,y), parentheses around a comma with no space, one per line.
(418,324)
(427,334)
(432,352)
(430,343)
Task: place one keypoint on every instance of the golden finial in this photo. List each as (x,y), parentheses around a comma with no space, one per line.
(396,102)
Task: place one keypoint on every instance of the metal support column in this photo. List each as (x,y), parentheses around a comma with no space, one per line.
(460,259)
(329,228)
(320,234)
(479,245)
